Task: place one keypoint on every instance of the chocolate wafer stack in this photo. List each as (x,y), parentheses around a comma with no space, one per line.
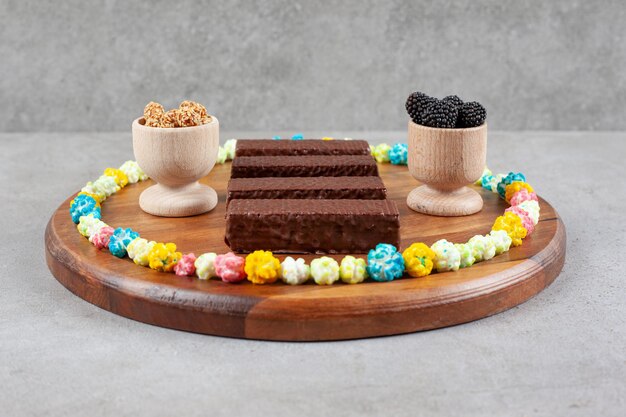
(310,196)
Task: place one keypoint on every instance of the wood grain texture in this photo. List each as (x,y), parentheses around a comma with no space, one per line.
(176,158)
(446,161)
(307,312)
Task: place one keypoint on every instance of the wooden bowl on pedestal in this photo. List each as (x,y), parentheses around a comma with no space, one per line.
(176,158)
(445,161)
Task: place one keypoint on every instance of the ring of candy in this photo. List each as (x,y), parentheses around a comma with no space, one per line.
(384,262)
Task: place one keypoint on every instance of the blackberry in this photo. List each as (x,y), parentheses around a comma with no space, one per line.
(440,114)
(454,100)
(415,105)
(471,114)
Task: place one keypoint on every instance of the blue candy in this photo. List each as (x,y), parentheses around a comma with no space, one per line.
(398,155)
(384,263)
(511,177)
(83,205)
(485,181)
(120,239)
(298,136)
(276,137)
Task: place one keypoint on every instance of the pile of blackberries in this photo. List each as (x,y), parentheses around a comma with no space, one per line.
(450,112)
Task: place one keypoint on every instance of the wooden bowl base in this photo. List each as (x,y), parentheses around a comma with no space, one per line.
(428,200)
(303,312)
(190,200)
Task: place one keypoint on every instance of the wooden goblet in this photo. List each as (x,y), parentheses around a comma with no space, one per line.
(446,161)
(176,158)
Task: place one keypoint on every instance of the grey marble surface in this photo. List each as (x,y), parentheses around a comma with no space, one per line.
(311,64)
(560,354)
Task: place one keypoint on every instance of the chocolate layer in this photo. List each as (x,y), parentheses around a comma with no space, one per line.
(267,147)
(311,226)
(331,188)
(303,166)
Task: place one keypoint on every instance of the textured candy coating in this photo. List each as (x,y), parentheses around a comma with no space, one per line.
(163,257)
(294,271)
(486,174)
(230,267)
(185,266)
(120,239)
(524,216)
(311,226)
(399,154)
(133,172)
(88,225)
(381,153)
(531,207)
(118,175)
(447,256)
(508,179)
(467,254)
(303,166)
(350,188)
(511,223)
(418,260)
(501,240)
(352,270)
(205,265)
(384,263)
(264,147)
(139,249)
(229,147)
(514,187)
(83,205)
(101,238)
(262,267)
(483,248)
(324,270)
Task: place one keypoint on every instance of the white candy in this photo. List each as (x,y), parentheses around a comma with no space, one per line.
(205,265)
(352,270)
(294,271)
(324,270)
(531,207)
(447,256)
(501,240)
(229,147)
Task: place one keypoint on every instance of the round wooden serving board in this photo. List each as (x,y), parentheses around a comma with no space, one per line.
(306,312)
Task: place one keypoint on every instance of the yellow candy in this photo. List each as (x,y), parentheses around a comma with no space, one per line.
(94,196)
(139,251)
(512,225)
(163,257)
(262,267)
(418,260)
(118,175)
(514,187)
(327,138)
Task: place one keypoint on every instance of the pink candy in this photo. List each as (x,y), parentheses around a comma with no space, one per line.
(185,267)
(521,196)
(229,267)
(100,239)
(526,220)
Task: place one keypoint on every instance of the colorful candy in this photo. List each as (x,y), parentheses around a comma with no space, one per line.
(118,175)
(447,256)
(185,266)
(399,154)
(163,257)
(229,147)
(205,265)
(88,225)
(222,155)
(532,208)
(381,153)
(418,260)
(230,267)
(512,225)
(120,239)
(523,215)
(501,240)
(467,254)
(483,247)
(101,238)
(508,179)
(133,172)
(294,271)
(139,249)
(521,196)
(262,267)
(384,263)
(514,187)
(486,173)
(327,138)
(83,205)
(297,136)
(352,270)
(324,270)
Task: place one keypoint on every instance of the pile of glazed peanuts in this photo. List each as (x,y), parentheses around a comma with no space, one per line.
(189,113)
